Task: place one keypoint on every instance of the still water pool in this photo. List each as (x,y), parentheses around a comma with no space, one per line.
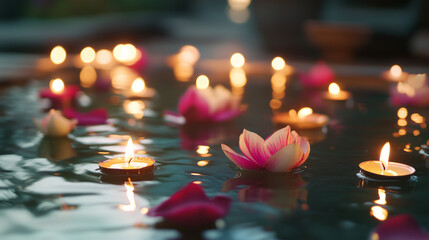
(52,189)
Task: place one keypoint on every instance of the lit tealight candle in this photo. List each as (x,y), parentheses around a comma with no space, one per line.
(58,55)
(395,74)
(202,82)
(336,94)
(237,60)
(279,64)
(60,95)
(140,90)
(303,119)
(127,165)
(385,170)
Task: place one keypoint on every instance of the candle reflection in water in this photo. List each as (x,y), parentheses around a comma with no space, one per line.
(130,195)
(135,108)
(238,80)
(183,62)
(238,11)
(88,76)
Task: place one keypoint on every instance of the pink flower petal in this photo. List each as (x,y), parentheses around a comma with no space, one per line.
(225,115)
(318,76)
(285,159)
(278,140)
(191,207)
(194,107)
(305,147)
(240,160)
(401,227)
(253,146)
(97,116)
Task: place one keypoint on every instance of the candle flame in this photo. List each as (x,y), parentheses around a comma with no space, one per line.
(384,156)
(402,112)
(382,197)
(125,52)
(396,71)
(304,112)
(278,63)
(379,213)
(87,55)
(129,153)
(138,85)
(103,56)
(237,60)
(202,82)
(130,195)
(56,86)
(202,149)
(334,89)
(58,55)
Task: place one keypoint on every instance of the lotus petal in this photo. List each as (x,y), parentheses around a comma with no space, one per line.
(285,159)
(191,207)
(54,124)
(400,227)
(240,160)
(253,146)
(95,117)
(278,140)
(193,106)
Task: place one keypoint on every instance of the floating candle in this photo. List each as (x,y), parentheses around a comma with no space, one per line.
(128,165)
(139,89)
(395,74)
(278,64)
(336,94)
(61,96)
(385,170)
(237,60)
(304,119)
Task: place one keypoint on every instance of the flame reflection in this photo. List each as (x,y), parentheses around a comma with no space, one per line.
(130,195)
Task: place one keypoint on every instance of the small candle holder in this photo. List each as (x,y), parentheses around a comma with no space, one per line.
(336,94)
(129,165)
(60,96)
(304,119)
(395,74)
(385,170)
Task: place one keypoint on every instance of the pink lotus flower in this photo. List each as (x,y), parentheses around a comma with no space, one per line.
(54,124)
(400,227)
(190,207)
(320,75)
(282,151)
(209,105)
(97,116)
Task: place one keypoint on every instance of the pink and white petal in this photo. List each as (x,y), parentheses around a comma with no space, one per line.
(285,159)
(253,146)
(193,106)
(294,137)
(225,115)
(277,140)
(240,160)
(305,147)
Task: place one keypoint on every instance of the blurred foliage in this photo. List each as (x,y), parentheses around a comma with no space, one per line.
(70,8)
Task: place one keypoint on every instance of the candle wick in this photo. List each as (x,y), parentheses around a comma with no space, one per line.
(130,160)
(384,167)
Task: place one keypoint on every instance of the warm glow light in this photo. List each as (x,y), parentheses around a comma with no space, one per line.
(379,213)
(334,89)
(202,163)
(144,211)
(237,60)
(304,112)
(197,182)
(58,55)
(125,52)
(130,195)
(87,76)
(278,81)
(402,112)
(237,77)
(384,156)
(56,86)
(417,118)
(402,132)
(103,56)
(239,4)
(406,89)
(129,152)
(188,54)
(292,113)
(416,132)
(87,55)
(402,122)
(382,197)
(203,149)
(239,16)
(134,107)
(396,71)
(138,85)
(202,82)
(275,103)
(183,71)
(416,81)
(278,63)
